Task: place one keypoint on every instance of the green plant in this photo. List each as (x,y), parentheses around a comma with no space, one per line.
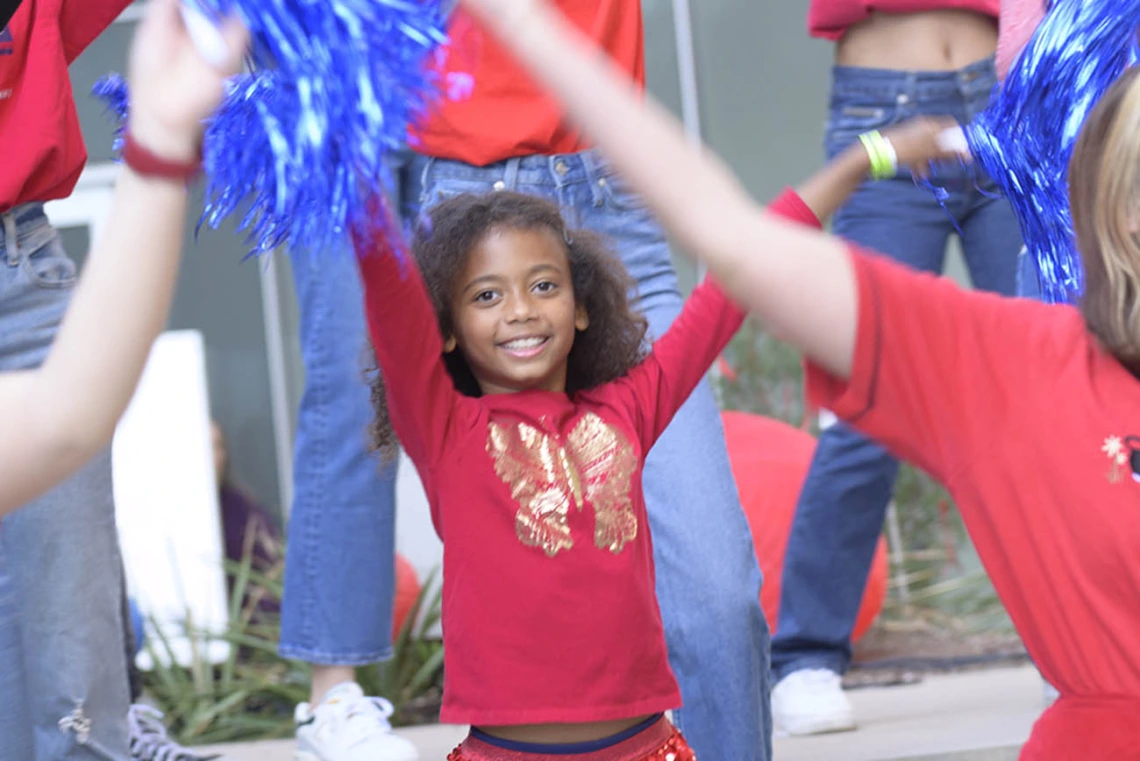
(412,678)
(766,378)
(252,694)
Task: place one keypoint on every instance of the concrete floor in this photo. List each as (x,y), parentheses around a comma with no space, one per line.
(977,716)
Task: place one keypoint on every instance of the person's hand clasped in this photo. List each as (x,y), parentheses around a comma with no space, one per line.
(174,89)
(924,140)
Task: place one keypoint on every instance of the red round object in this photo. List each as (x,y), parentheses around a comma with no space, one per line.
(407,590)
(770,460)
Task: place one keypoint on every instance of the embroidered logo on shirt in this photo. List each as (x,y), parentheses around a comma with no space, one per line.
(548,477)
(1124,454)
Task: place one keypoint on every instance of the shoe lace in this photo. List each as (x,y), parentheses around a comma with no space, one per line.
(149,741)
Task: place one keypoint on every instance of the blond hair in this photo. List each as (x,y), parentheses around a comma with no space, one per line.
(1104,194)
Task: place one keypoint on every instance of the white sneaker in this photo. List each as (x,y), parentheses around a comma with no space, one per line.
(811,702)
(349,726)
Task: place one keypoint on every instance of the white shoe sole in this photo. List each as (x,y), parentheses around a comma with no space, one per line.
(817,725)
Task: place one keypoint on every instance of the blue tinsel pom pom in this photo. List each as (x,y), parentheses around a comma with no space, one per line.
(1025,138)
(298,146)
(112,90)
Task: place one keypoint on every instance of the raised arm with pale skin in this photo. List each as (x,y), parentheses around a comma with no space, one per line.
(1017,22)
(54,419)
(800,282)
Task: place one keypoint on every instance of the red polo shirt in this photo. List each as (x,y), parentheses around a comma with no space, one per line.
(506,114)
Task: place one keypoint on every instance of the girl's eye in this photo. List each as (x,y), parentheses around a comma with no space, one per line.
(545,286)
(485,296)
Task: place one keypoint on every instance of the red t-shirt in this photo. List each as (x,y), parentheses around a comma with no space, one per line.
(829,19)
(39,128)
(1035,430)
(549,609)
(507,114)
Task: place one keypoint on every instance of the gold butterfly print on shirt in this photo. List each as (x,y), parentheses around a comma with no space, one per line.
(548,477)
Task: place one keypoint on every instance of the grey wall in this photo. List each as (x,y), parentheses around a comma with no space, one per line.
(762,85)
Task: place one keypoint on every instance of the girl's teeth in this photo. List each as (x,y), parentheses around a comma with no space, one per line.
(526,343)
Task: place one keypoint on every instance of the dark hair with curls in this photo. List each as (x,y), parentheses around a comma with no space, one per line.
(609,348)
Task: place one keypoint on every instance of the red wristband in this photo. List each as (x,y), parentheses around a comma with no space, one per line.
(147,164)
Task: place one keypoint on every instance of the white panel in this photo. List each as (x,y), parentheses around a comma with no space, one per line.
(166,499)
(90,204)
(416,539)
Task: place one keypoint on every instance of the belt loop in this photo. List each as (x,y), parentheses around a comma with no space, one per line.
(593,165)
(11,238)
(424,175)
(511,173)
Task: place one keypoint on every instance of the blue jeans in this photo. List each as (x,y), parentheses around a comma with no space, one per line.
(61,577)
(708,581)
(843,503)
(340,554)
(1028,282)
(138,629)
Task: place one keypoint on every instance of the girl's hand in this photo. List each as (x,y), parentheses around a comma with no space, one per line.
(923,140)
(173,88)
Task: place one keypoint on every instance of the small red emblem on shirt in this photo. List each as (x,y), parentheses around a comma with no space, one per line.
(1124,454)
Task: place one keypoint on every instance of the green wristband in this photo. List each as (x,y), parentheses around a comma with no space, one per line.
(884,160)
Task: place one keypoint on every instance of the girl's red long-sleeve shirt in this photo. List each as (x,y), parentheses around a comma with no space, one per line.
(549,609)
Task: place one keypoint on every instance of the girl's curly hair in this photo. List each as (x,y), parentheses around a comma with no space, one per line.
(609,348)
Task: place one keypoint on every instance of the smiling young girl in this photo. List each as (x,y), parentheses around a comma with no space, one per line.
(512,370)
(528,412)
(1029,413)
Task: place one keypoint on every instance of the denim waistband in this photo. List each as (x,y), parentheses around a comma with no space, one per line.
(555,171)
(878,85)
(24,215)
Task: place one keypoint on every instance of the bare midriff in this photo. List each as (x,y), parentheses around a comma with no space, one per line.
(941,40)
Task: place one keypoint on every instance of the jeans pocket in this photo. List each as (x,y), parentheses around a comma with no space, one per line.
(439,190)
(848,121)
(49,266)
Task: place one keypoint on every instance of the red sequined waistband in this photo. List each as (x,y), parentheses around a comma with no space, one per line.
(661,742)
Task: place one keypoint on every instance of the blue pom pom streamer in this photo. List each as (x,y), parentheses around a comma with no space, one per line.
(298,145)
(112,90)
(1025,139)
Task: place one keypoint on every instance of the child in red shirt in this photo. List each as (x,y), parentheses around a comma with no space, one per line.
(513,372)
(1029,413)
